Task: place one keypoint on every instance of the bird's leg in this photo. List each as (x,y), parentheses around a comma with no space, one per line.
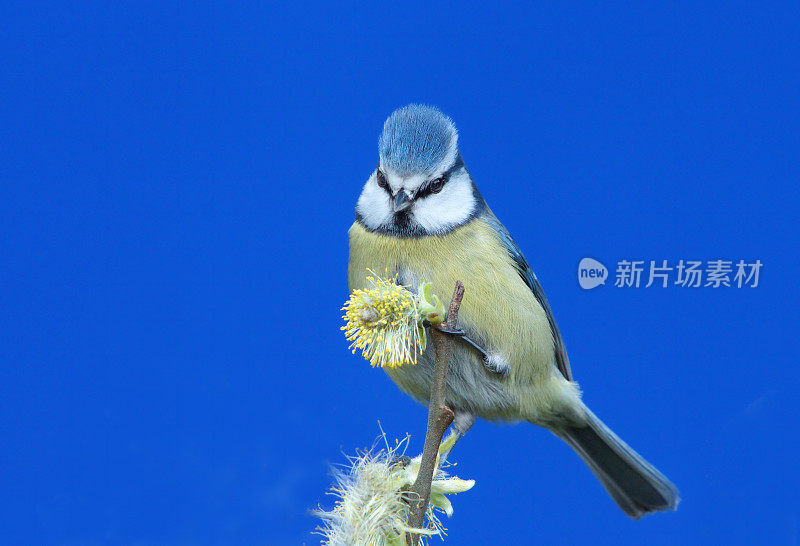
(463,336)
(462,422)
(494,362)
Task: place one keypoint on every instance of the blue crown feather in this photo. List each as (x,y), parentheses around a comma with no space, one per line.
(416,139)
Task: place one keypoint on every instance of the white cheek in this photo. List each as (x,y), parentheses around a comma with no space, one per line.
(449,208)
(374,206)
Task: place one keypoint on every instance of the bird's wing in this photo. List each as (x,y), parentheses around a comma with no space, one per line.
(525,271)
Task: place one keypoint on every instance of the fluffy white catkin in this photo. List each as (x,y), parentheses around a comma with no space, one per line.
(370,509)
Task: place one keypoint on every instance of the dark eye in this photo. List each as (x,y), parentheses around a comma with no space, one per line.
(436,185)
(382,180)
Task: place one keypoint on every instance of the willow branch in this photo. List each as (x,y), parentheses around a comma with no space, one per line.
(439,416)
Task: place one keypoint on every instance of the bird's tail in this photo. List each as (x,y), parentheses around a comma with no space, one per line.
(632,482)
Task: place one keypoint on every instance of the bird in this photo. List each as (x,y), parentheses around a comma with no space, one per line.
(420,217)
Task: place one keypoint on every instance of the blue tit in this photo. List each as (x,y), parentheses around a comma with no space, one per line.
(420,216)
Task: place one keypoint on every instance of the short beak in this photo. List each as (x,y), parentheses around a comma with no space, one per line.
(401,201)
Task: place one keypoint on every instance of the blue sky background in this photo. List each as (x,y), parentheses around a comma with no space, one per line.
(177,180)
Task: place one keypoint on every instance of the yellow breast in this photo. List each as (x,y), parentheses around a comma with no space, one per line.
(497,304)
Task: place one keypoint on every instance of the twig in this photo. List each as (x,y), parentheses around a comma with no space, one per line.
(439,417)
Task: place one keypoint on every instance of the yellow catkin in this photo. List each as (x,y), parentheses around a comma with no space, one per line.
(384,323)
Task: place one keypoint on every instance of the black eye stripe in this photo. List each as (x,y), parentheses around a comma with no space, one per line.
(428,188)
(445,177)
(381,180)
